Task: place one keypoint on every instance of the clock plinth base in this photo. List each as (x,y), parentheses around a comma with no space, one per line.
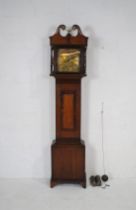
(68,163)
(55,182)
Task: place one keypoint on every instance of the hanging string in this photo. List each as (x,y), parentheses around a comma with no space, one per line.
(102,127)
(103,155)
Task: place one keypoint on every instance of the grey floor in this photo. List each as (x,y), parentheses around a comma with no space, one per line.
(35,194)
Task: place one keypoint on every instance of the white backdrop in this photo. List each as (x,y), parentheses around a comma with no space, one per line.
(27,92)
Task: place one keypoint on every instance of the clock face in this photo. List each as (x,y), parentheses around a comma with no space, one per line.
(68,60)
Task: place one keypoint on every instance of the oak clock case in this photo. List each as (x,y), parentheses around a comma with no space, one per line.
(68,62)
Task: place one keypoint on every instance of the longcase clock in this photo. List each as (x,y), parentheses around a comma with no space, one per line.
(68,66)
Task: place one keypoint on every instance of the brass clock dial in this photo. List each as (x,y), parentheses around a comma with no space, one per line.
(68,60)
